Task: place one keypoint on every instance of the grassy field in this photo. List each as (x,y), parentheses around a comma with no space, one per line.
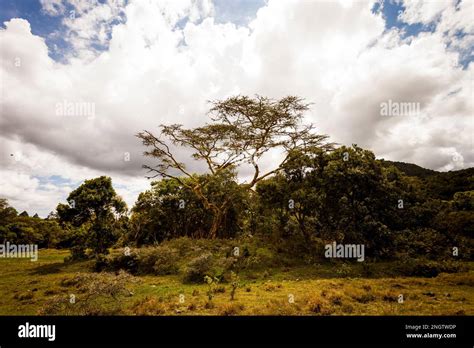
(26,287)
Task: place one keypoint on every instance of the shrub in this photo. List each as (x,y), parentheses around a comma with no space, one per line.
(166,261)
(124,262)
(368,269)
(281,307)
(421,241)
(234,285)
(161,260)
(429,269)
(145,260)
(183,245)
(192,307)
(365,298)
(101,263)
(269,287)
(198,268)
(78,253)
(344,269)
(262,257)
(212,284)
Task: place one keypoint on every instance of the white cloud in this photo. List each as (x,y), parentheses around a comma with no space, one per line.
(335,54)
(53,7)
(424,11)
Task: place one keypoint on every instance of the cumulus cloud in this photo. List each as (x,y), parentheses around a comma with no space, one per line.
(147,63)
(53,7)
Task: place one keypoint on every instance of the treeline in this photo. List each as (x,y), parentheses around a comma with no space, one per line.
(343,195)
(23,229)
(316,194)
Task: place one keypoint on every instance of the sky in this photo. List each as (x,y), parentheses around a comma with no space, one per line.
(79,78)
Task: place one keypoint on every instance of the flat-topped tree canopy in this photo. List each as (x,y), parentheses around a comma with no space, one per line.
(242,129)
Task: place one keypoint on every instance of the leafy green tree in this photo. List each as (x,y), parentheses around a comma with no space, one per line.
(344,195)
(171,210)
(7,213)
(96,206)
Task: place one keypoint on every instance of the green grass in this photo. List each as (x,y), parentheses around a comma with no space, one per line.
(27,286)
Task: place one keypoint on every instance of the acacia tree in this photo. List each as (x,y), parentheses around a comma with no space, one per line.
(241,131)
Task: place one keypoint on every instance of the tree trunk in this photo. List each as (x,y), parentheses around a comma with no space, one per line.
(216,222)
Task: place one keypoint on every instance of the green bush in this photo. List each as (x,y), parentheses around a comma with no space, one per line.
(427,268)
(78,253)
(198,268)
(166,261)
(344,269)
(159,260)
(101,263)
(183,245)
(124,262)
(421,241)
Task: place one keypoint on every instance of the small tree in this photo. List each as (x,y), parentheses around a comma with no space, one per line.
(234,283)
(241,131)
(96,206)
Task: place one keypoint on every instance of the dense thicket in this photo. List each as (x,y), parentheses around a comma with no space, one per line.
(343,195)
(348,196)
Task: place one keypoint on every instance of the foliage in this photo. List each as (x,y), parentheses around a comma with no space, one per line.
(234,283)
(198,269)
(23,229)
(242,131)
(96,206)
(343,195)
(171,210)
(212,284)
(317,194)
(441,185)
(427,268)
